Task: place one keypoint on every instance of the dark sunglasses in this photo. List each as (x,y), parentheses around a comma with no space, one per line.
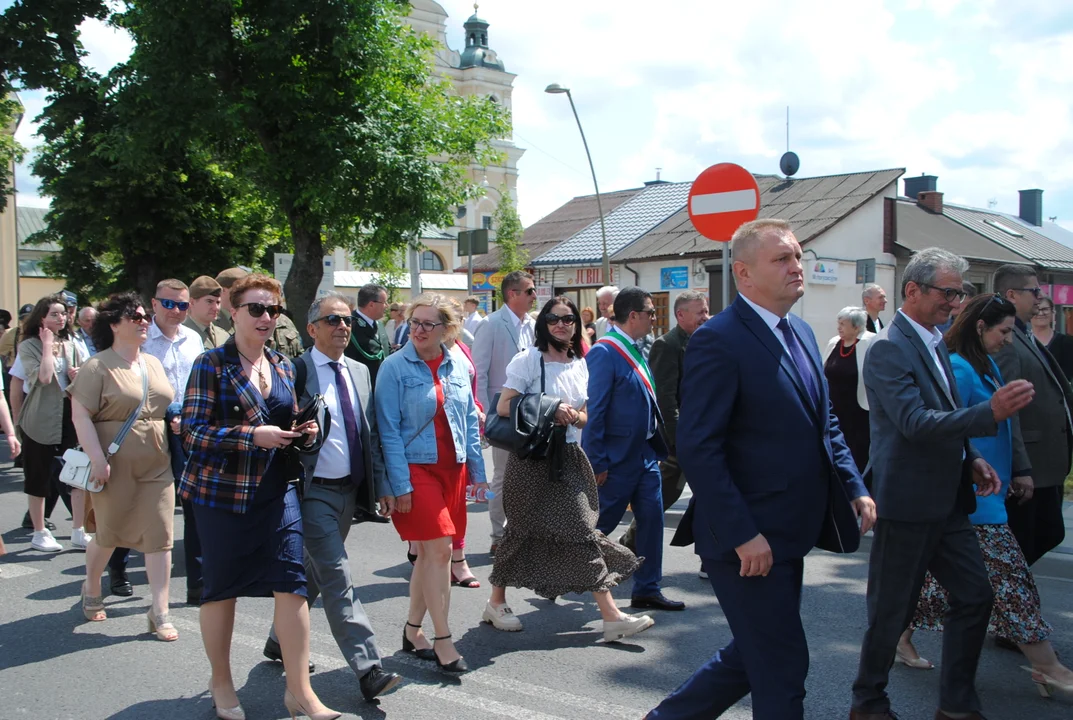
(138,317)
(258,309)
(553,319)
(950,294)
(334,320)
(651,312)
(529,291)
(1036,291)
(172,304)
(996,298)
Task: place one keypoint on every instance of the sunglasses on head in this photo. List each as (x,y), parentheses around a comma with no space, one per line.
(173,304)
(553,319)
(258,309)
(334,320)
(996,298)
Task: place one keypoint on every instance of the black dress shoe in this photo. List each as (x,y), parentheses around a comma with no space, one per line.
(28,524)
(361,515)
(120,584)
(376,682)
(655,602)
(273,652)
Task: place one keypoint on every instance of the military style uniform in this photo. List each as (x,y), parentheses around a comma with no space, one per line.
(369,344)
(286,338)
(212,336)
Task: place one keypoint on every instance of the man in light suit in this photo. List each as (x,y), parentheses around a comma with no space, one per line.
(502,335)
(1042,447)
(624,441)
(605,302)
(347,472)
(771,477)
(924,469)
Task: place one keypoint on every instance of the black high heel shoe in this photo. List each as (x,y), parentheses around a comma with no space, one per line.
(412,557)
(457,666)
(408,647)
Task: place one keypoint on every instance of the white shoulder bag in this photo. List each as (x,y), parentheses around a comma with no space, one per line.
(76,464)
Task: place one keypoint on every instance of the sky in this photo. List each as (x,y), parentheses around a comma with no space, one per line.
(977,93)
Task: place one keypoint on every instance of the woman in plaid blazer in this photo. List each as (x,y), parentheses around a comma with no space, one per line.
(238,413)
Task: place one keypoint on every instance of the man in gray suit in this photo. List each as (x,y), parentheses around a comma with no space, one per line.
(502,335)
(347,471)
(1041,450)
(924,470)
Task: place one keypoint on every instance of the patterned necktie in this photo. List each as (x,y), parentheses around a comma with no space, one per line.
(353,438)
(797,354)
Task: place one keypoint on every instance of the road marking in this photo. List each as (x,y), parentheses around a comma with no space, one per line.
(1052,577)
(14,570)
(733,201)
(475,702)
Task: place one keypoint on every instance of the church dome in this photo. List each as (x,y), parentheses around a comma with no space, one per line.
(477,53)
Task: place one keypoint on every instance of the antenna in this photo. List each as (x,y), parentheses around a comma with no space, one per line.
(789,163)
(657,173)
(992,203)
(787,128)
(1053,218)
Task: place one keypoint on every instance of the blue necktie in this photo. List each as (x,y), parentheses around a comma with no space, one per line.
(797,354)
(353,437)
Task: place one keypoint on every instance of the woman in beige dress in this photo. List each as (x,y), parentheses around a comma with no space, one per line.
(136,507)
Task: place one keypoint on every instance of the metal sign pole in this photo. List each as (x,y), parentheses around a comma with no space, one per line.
(726,275)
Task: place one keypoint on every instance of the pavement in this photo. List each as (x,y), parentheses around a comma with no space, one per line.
(53,664)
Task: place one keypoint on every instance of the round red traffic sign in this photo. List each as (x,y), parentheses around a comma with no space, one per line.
(723,198)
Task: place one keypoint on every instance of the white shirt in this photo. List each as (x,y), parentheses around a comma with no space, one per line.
(771,320)
(17,370)
(931,339)
(177,356)
(366,318)
(569,381)
(526,329)
(473,321)
(334,458)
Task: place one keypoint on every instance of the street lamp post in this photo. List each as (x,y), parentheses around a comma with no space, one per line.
(556,89)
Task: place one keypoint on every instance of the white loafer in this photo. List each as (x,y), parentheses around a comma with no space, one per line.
(627,626)
(44,542)
(501,618)
(80,538)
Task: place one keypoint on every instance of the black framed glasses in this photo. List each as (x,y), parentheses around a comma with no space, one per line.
(423,325)
(137,317)
(258,309)
(173,304)
(949,294)
(334,320)
(528,291)
(553,319)
(651,312)
(1036,291)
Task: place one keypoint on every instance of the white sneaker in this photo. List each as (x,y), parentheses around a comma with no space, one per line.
(44,542)
(80,538)
(702,574)
(627,626)
(501,618)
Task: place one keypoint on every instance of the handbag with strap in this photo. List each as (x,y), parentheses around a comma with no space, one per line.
(76,464)
(527,430)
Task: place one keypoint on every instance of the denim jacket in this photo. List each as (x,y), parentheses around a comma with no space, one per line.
(405,399)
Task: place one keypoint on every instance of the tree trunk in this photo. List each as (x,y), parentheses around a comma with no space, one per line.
(307,269)
(146,275)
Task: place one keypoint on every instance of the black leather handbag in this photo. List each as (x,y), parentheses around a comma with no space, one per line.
(527,430)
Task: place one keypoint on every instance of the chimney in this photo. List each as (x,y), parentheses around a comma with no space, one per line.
(916,185)
(1031,207)
(931,200)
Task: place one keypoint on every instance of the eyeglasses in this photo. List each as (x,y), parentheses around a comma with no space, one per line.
(949,294)
(334,320)
(173,304)
(423,325)
(528,291)
(553,319)
(651,312)
(258,309)
(1036,291)
(1044,310)
(138,318)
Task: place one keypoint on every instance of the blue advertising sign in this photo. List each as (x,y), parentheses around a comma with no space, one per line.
(674,278)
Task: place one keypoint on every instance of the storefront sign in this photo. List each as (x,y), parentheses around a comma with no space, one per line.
(674,278)
(483,281)
(588,276)
(544,293)
(824,272)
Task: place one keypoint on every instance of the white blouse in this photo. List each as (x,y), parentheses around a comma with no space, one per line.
(568,381)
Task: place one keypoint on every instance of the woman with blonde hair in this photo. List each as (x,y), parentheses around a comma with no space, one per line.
(430,433)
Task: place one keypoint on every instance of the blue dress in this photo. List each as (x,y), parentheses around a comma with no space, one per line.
(257,553)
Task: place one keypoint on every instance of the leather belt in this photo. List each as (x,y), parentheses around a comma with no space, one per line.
(332,482)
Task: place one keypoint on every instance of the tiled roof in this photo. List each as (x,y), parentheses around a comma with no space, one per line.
(628,222)
(1049,229)
(1018,237)
(811,205)
(429,232)
(552,229)
(29,220)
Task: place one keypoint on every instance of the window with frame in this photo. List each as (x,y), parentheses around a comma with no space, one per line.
(431,261)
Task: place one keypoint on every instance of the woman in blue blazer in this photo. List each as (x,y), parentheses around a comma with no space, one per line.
(984,327)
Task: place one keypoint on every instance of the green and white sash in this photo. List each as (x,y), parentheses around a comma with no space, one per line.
(625,347)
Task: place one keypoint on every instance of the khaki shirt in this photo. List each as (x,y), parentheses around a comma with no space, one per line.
(41,417)
(286,338)
(212,336)
(7,345)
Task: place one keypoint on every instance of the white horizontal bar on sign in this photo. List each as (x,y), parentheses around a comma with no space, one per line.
(723,202)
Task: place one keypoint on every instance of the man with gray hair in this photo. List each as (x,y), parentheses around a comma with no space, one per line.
(605,302)
(924,472)
(874,300)
(83,335)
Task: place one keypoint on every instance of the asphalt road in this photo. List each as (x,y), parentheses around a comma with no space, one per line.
(53,664)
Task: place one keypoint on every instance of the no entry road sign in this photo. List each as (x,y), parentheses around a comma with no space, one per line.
(723,198)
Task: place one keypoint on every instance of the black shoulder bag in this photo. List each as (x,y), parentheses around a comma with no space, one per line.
(528,429)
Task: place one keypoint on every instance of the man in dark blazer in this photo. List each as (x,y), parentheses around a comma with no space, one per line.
(667,359)
(924,469)
(347,471)
(369,342)
(874,301)
(771,477)
(1042,448)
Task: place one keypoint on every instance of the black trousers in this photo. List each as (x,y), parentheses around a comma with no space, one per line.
(1038,524)
(673,484)
(901,554)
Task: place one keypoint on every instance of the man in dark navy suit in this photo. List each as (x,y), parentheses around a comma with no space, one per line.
(771,478)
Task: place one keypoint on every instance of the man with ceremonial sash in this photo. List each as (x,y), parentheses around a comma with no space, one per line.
(624,440)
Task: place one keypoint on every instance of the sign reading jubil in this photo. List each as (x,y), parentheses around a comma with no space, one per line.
(723,198)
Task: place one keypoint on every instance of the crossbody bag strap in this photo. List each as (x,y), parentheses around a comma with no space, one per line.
(541,373)
(114,447)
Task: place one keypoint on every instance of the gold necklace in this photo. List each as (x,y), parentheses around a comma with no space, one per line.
(261,381)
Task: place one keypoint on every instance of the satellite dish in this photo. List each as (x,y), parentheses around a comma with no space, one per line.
(789,164)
